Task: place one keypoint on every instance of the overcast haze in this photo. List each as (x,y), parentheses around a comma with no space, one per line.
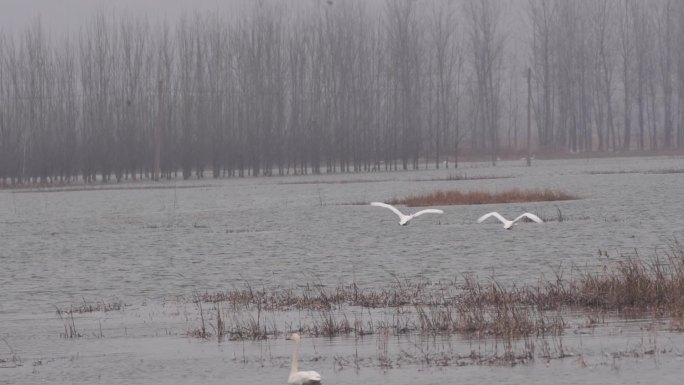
(256,87)
(183,183)
(61,15)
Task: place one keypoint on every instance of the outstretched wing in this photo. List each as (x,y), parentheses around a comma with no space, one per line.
(385,205)
(530,216)
(428,211)
(492,214)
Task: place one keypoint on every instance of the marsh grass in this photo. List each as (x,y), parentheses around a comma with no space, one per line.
(659,172)
(86,307)
(201,331)
(607,172)
(667,171)
(627,285)
(11,360)
(558,216)
(477,197)
(70,331)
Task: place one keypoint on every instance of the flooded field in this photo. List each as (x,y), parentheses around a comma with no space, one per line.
(105,285)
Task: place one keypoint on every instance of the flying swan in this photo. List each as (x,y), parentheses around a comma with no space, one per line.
(508,224)
(297,377)
(404,219)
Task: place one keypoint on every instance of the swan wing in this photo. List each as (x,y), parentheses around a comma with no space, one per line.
(305,378)
(385,205)
(530,216)
(492,214)
(428,211)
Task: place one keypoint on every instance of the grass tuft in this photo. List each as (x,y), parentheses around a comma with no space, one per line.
(478,197)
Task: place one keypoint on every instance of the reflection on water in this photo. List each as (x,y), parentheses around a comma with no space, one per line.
(144,247)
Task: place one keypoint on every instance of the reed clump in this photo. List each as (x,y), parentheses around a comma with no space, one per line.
(478,197)
(320,298)
(468,306)
(70,331)
(631,283)
(668,171)
(89,307)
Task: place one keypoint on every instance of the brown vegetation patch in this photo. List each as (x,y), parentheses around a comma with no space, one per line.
(613,172)
(657,172)
(86,307)
(456,197)
(668,171)
(628,285)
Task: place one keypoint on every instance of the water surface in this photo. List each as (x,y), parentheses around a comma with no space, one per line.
(147,245)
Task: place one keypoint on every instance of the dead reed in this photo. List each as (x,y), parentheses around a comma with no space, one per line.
(607,172)
(12,360)
(86,307)
(668,171)
(477,197)
(320,298)
(631,283)
(466,306)
(69,325)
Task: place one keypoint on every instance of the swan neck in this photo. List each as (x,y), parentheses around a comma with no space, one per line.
(295,358)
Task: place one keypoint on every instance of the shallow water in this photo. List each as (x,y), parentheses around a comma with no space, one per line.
(147,246)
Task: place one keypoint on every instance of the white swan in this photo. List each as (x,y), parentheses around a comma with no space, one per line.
(403,218)
(508,224)
(297,377)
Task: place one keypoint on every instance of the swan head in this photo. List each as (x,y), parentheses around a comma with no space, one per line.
(293,337)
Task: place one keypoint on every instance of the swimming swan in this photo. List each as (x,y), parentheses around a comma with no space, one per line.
(297,377)
(403,218)
(508,224)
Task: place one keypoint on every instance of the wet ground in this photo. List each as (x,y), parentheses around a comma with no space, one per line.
(148,246)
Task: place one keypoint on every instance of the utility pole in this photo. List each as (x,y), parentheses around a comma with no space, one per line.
(529,119)
(157,136)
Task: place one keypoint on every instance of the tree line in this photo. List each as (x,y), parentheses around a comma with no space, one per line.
(337,86)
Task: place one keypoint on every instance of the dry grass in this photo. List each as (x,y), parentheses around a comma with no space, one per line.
(610,172)
(11,360)
(662,171)
(86,307)
(629,284)
(668,171)
(319,298)
(456,197)
(70,331)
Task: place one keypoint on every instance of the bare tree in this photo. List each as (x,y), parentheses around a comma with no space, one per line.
(445,71)
(486,48)
(404,45)
(665,28)
(542,14)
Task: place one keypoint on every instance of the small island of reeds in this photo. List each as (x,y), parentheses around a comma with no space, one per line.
(478,197)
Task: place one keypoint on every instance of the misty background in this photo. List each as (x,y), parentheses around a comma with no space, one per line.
(163,89)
